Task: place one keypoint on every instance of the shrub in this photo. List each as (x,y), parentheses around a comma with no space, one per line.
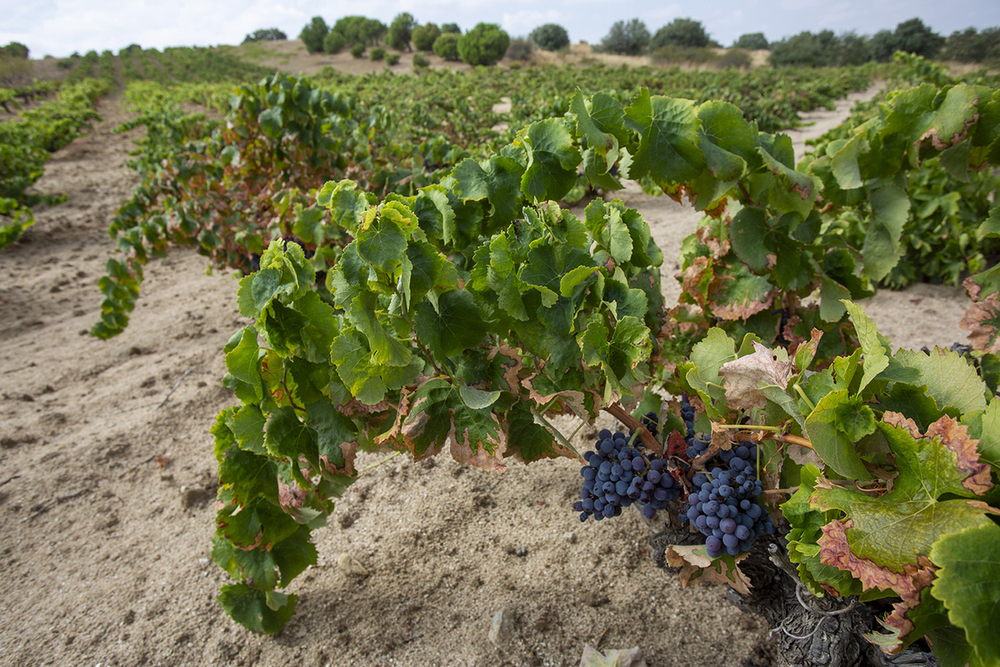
(399,31)
(734,59)
(391,59)
(881,46)
(807,50)
(550,37)
(265,34)
(914,37)
(446,46)
(358,50)
(420,60)
(14,50)
(424,36)
(378,53)
(630,39)
(751,40)
(313,33)
(451,28)
(334,42)
(681,32)
(483,45)
(360,30)
(517,64)
(519,49)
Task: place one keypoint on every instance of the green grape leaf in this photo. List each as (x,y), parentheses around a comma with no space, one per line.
(552,161)
(294,554)
(243,362)
(476,437)
(891,531)
(668,146)
(792,190)
(837,422)
(751,238)
(985,427)
(382,243)
(619,352)
(529,441)
(890,207)
(844,162)
(424,420)
(457,325)
(248,475)
(336,437)
(969,584)
(287,437)
(707,357)
(950,380)
(247,426)
(875,358)
(990,227)
(248,607)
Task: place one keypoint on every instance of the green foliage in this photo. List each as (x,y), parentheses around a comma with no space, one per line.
(519,49)
(914,37)
(806,50)
(358,50)
(626,38)
(451,28)
(681,32)
(391,59)
(420,60)
(550,37)
(334,42)
(752,41)
(14,50)
(14,219)
(483,45)
(378,53)
(972,46)
(400,29)
(360,30)
(265,34)
(446,46)
(424,36)
(313,33)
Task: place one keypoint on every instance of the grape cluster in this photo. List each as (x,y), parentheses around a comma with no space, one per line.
(617,475)
(723,503)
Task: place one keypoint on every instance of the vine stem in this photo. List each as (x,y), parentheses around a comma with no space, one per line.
(796,440)
(618,411)
(385,460)
(802,394)
(747,427)
(556,432)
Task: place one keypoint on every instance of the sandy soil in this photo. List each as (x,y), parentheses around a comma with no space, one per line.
(107,481)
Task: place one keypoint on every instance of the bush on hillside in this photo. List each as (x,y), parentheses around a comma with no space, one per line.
(391,59)
(550,37)
(423,36)
(334,42)
(751,40)
(520,49)
(451,27)
(483,45)
(14,50)
(681,32)
(420,60)
(627,39)
(265,35)
(446,46)
(358,50)
(971,46)
(313,34)
(378,53)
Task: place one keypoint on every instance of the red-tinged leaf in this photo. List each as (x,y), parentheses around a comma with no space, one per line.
(835,550)
(982,319)
(614,658)
(477,439)
(510,363)
(697,567)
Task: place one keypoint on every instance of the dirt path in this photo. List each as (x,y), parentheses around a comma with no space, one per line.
(107,481)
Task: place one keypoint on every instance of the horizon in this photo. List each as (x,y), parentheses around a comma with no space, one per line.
(60,28)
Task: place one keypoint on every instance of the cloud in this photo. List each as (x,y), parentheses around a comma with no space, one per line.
(524,21)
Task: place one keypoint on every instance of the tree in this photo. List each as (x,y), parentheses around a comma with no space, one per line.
(971,46)
(313,33)
(550,37)
(914,37)
(360,30)
(334,42)
(681,32)
(752,40)
(451,27)
(265,34)
(881,46)
(483,45)
(424,36)
(446,46)
(806,50)
(630,39)
(399,31)
(854,49)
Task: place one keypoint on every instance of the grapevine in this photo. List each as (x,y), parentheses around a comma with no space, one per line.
(463,310)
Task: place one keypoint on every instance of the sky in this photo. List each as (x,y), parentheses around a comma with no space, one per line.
(60,27)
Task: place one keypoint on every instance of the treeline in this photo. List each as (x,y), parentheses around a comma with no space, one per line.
(483,45)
